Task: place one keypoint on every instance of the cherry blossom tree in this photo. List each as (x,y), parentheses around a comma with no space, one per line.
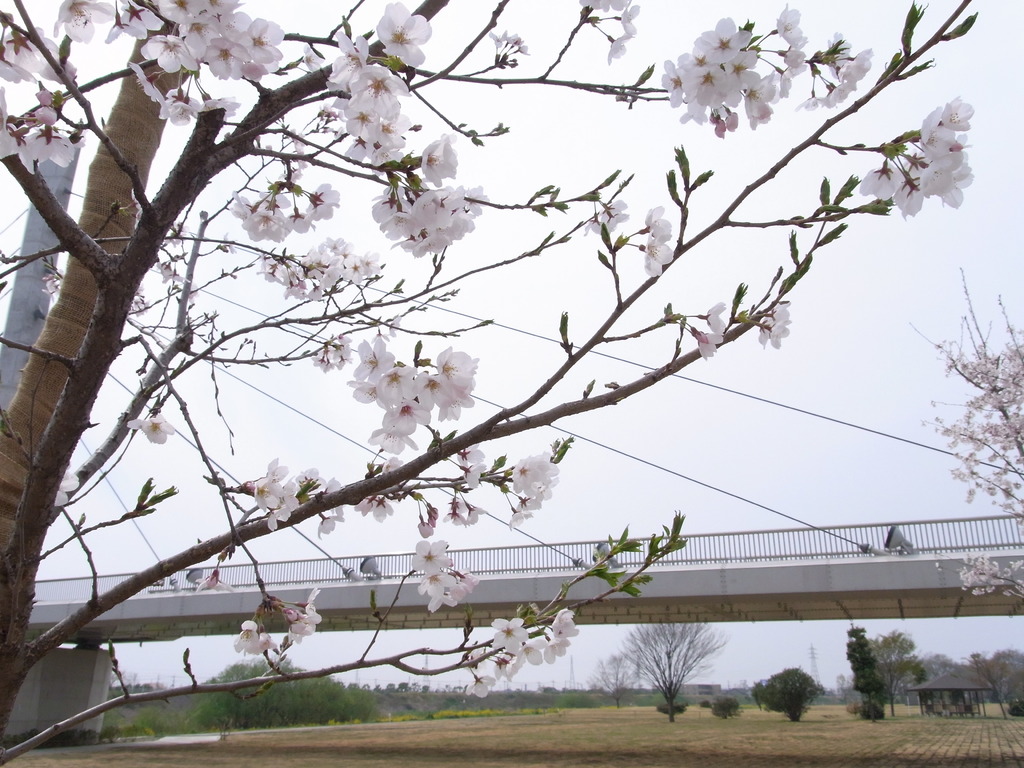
(235,143)
(989,435)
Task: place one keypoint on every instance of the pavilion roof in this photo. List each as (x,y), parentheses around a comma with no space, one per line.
(951,683)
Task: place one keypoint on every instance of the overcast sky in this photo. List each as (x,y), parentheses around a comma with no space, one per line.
(861,347)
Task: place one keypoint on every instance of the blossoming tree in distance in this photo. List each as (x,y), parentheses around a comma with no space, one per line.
(323,156)
(989,436)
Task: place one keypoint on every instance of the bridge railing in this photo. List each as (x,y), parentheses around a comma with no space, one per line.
(961,536)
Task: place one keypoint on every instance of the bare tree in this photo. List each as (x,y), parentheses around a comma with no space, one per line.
(939,664)
(615,676)
(1003,671)
(667,655)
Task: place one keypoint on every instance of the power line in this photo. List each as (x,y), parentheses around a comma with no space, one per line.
(607,447)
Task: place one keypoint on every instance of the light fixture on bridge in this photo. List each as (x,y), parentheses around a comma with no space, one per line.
(867,549)
(896,542)
(194,576)
(350,573)
(370,569)
(601,553)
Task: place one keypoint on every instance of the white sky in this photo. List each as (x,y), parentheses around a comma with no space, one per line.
(859,350)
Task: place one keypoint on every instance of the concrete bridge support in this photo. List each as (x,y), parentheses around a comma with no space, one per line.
(65,682)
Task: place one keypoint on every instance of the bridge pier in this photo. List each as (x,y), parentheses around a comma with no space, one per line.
(65,682)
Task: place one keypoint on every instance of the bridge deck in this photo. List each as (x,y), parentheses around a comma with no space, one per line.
(799,574)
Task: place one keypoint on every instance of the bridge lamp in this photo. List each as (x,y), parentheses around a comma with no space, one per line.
(896,542)
(867,549)
(350,573)
(193,576)
(601,553)
(370,569)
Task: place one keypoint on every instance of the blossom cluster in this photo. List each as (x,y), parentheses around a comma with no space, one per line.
(278,496)
(408,396)
(982,575)
(627,13)
(267,219)
(428,221)
(775,327)
(321,271)
(207,36)
(440,582)
(722,71)
(302,618)
(927,163)
(532,481)
(515,646)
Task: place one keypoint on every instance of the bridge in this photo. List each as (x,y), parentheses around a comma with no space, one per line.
(902,570)
(846,572)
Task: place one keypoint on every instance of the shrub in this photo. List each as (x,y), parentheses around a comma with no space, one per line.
(1016,708)
(705,704)
(725,707)
(678,708)
(860,709)
(790,692)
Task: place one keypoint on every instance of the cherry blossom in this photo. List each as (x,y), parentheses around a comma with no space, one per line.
(439,160)
(67,487)
(509,634)
(252,639)
(431,557)
(437,586)
(156,428)
(78,18)
(775,328)
(213,583)
(403,34)
(302,618)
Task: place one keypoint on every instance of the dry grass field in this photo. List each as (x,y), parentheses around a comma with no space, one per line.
(607,738)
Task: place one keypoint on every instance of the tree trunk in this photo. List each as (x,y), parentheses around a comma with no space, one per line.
(135,128)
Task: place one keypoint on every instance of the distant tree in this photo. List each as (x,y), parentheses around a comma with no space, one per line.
(1003,671)
(757,694)
(844,688)
(866,679)
(314,701)
(790,692)
(939,664)
(667,655)
(897,664)
(615,676)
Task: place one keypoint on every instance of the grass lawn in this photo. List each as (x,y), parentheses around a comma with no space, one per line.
(605,738)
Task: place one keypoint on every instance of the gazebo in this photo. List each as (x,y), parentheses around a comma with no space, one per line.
(950,695)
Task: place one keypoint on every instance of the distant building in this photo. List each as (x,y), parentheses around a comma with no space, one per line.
(702,689)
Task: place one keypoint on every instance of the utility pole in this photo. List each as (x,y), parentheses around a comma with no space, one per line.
(29,300)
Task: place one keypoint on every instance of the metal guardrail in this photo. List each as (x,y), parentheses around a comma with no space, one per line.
(928,537)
